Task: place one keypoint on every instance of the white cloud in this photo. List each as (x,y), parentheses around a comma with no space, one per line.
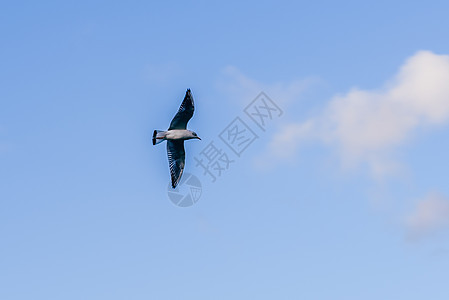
(365,125)
(430,215)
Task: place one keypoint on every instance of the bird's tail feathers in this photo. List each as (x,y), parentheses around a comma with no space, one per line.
(158,136)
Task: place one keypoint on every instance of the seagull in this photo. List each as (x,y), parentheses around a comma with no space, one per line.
(175,136)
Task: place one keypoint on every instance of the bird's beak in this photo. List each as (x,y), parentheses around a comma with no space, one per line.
(198,138)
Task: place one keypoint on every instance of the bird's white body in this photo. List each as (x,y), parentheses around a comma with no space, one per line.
(175,134)
(179,134)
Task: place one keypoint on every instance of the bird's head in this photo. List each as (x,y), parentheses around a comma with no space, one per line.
(194,135)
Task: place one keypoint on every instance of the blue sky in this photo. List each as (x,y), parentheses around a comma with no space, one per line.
(344,196)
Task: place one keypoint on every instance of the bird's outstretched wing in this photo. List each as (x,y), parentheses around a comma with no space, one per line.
(184,113)
(176,160)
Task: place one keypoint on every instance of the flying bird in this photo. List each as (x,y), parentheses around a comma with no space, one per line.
(175,136)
